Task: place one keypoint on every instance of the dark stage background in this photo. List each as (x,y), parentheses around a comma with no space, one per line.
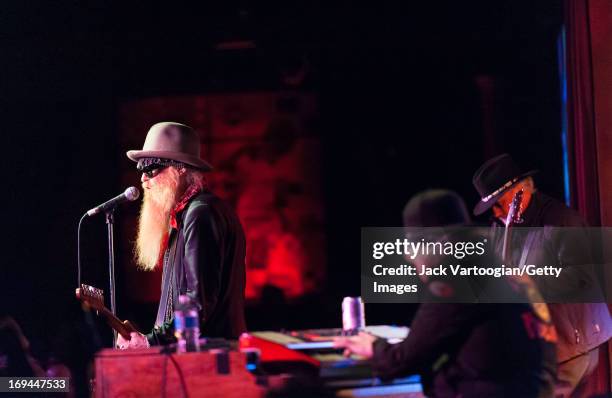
(408,96)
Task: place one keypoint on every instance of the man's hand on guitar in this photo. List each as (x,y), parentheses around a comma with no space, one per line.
(137,340)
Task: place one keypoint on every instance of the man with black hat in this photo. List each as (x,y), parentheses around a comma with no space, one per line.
(194,236)
(462,349)
(582,327)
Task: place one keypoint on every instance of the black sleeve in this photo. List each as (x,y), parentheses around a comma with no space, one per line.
(162,335)
(437,330)
(203,260)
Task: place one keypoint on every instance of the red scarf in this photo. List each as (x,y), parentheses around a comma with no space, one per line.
(190,192)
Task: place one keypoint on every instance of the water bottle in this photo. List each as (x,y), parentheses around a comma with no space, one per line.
(186,325)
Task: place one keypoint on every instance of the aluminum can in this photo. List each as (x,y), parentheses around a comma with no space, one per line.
(353,315)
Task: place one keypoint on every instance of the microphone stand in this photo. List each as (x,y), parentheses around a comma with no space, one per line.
(110,220)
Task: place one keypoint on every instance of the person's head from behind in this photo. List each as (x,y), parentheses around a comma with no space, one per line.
(435,208)
(433,217)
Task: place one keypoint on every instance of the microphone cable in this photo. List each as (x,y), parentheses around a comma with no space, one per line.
(169,355)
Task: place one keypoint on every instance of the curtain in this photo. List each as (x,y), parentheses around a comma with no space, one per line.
(582,140)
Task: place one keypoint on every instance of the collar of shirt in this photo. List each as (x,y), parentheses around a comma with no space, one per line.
(191,191)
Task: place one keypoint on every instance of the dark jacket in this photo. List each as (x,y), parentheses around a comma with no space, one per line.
(205,259)
(474,350)
(587,324)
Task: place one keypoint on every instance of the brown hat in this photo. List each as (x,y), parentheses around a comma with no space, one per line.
(174,141)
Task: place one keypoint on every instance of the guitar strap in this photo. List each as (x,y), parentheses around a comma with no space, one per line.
(164,312)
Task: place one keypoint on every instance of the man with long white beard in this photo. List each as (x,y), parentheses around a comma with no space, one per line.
(193,235)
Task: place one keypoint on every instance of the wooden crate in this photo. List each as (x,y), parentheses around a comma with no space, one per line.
(141,373)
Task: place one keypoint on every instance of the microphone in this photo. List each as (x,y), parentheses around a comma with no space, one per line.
(130,194)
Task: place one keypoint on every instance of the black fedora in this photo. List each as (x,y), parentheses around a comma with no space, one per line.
(494,177)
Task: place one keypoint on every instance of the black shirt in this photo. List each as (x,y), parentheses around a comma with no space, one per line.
(474,350)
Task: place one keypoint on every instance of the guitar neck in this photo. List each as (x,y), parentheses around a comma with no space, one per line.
(506,244)
(512,218)
(123,328)
(94,298)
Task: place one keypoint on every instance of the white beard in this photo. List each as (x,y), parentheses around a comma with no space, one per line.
(154,220)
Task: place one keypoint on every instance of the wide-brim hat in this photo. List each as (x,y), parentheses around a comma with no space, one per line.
(494,178)
(174,141)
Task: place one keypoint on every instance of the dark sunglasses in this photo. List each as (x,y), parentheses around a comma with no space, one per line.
(152,172)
